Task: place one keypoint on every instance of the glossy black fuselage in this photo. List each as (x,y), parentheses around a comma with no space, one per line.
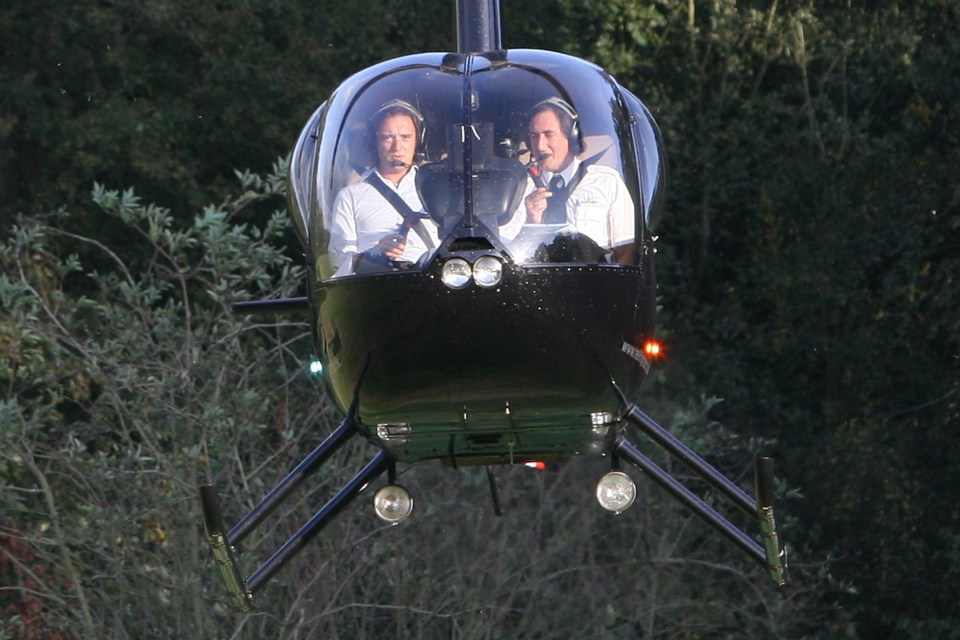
(478,374)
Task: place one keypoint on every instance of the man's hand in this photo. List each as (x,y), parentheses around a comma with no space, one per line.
(392,246)
(536,204)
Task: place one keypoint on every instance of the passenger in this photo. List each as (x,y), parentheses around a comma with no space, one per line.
(589,198)
(372,219)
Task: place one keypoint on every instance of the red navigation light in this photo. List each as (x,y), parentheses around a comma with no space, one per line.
(538,465)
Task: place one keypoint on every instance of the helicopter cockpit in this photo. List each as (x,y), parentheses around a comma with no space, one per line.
(466,186)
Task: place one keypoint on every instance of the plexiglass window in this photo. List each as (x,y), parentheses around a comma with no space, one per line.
(527,154)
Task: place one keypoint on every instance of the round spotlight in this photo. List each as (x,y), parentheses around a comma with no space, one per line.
(616,491)
(393,503)
(487,271)
(456,273)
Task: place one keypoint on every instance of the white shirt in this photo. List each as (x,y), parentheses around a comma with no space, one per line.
(362,216)
(599,206)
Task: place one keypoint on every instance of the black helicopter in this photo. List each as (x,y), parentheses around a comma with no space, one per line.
(511,338)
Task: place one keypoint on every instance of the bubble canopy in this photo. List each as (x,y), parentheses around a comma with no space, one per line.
(474,165)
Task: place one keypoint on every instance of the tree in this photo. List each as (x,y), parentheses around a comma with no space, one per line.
(808,269)
(807,261)
(129,388)
(183,92)
(115,393)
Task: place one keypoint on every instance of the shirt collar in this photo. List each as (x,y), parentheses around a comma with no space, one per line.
(410,175)
(568,173)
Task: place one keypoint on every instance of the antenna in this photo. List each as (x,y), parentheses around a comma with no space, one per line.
(478,26)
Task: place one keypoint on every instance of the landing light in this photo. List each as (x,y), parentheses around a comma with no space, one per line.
(616,491)
(487,271)
(394,432)
(456,273)
(600,431)
(393,503)
(601,418)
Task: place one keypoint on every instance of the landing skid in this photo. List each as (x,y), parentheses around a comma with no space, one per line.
(771,555)
(240,590)
(224,543)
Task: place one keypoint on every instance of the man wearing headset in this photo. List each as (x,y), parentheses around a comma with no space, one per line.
(379,223)
(590,199)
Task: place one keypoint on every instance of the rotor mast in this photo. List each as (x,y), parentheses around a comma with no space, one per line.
(478,26)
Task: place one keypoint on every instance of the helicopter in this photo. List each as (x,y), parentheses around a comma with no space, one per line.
(503,342)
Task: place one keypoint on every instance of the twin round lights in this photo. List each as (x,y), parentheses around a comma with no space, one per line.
(393,503)
(486,272)
(616,491)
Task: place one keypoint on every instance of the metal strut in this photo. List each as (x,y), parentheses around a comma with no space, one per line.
(278,305)
(222,551)
(278,494)
(306,533)
(494,494)
(775,554)
(223,543)
(771,556)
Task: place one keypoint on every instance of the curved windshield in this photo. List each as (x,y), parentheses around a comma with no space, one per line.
(526,154)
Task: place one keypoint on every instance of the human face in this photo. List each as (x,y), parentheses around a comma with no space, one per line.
(396,143)
(550,146)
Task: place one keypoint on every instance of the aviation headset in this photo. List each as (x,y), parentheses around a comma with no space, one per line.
(569,119)
(393,108)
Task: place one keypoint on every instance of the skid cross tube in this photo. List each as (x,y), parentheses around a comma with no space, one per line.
(306,533)
(626,450)
(771,555)
(241,591)
(691,460)
(278,494)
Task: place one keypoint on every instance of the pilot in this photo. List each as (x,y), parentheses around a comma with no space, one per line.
(588,198)
(379,223)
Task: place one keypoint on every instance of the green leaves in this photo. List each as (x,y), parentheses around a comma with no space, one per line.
(806,273)
(120,375)
(808,266)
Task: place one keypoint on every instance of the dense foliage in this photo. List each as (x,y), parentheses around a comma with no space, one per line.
(126,388)
(171,96)
(809,263)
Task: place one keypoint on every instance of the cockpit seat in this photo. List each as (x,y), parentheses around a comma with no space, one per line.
(496,189)
(496,182)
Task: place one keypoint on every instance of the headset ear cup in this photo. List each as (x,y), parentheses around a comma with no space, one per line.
(575,127)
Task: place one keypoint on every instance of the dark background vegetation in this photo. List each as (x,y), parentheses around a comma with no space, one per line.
(810,293)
